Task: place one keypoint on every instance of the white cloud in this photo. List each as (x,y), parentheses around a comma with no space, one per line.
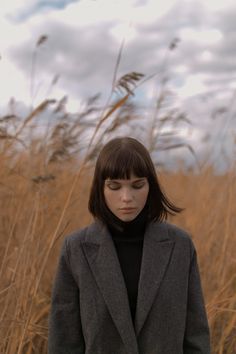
(152,11)
(14,9)
(194,85)
(124,31)
(13,83)
(84,39)
(204,37)
(181,69)
(218,5)
(206,56)
(7,7)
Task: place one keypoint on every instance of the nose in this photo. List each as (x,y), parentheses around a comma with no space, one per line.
(126,195)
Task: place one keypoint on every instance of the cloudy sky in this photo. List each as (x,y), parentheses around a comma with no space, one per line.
(83,41)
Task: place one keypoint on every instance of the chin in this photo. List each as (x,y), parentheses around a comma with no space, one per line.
(128,218)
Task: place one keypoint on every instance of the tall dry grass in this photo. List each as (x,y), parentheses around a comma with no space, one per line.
(44,186)
(30,209)
(210,218)
(33,215)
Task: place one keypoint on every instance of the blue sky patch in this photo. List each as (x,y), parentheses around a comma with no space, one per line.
(26,11)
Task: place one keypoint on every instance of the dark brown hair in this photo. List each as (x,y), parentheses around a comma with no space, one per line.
(118,159)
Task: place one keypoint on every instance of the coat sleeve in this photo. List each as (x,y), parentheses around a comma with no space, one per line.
(65,329)
(197,336)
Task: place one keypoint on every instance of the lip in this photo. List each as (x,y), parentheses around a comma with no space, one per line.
(127,210)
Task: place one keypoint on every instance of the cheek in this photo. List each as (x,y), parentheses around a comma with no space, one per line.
(145,193)
(106,196)
(109,197)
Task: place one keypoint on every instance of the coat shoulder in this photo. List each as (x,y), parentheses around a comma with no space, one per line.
(177,234)
(79,235)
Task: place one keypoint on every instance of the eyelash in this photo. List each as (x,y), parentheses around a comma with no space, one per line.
(138,186)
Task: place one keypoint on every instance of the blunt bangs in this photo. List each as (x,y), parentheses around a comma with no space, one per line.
(118,159)
(124,162)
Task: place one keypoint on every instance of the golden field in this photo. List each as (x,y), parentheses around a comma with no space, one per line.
(44,187)
(40,204)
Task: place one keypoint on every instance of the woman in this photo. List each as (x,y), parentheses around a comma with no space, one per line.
(129,282)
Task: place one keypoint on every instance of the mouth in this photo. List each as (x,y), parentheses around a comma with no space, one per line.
(127,210)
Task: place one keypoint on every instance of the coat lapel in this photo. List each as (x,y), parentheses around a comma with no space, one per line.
(101,254)
(157,249)
(104,263)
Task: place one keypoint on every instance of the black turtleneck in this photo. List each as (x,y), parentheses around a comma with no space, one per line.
(128,240)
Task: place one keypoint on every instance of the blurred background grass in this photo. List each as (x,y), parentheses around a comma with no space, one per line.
(45,177)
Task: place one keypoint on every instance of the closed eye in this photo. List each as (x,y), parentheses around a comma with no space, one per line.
(113,186)
(138,186)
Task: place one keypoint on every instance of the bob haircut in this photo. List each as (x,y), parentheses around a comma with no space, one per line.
(118,159)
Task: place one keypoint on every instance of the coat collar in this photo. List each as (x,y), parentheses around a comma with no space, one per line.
(102,257)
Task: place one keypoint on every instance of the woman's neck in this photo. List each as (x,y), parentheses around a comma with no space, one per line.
(133,229)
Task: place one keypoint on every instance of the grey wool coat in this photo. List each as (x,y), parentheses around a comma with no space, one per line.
(90,311)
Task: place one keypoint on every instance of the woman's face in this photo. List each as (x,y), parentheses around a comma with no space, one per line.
(126,197)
